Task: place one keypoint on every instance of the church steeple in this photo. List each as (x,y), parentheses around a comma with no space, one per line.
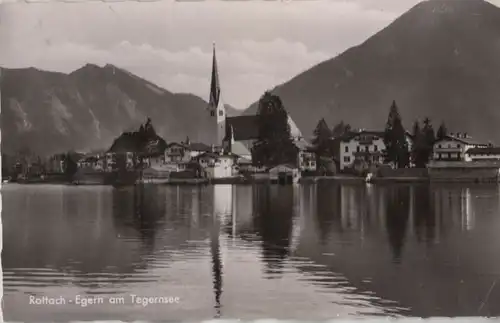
(215,105)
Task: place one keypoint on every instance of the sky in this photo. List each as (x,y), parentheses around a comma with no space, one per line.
(259,44)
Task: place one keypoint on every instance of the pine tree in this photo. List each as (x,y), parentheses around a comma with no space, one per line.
(396,146)
(442,131)
(417,134)
(429,139)
(322,136)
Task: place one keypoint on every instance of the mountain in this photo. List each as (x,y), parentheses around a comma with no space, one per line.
(48,112)
(232,111)
(440,59)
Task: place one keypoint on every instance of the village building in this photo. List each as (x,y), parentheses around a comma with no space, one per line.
(307,161)
(454,147)
(92,162)
(216,165)
(457,157)
(483,154)
(285,173)
(185,151)
(364,145)
(131,149)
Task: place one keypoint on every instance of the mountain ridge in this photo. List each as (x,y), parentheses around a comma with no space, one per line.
(48,112)
(438,59)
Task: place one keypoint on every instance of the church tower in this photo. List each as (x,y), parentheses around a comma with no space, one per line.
(216,107)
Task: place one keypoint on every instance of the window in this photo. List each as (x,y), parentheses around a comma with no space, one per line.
(367,148)
(212,113)
(346,149)
(347,159)
(221,113)
(375,148)
(357,149)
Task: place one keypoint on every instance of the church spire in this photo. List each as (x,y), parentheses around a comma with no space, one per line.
(216,106)
(214,85)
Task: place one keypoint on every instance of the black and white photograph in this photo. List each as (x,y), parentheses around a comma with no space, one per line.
(190,160)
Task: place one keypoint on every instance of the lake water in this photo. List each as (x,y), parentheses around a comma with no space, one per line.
(288,252)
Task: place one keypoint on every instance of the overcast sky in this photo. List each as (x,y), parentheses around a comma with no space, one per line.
(259,44)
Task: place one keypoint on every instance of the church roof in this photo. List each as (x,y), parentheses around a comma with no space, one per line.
(244,127)
(239,149)
(247,128)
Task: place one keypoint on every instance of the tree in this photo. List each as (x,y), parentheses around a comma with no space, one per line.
(429,139)
(322,136)
(396,146)
(70,166)
(340,129)
(442,131)
(415,149)
(274,144)
(418,152)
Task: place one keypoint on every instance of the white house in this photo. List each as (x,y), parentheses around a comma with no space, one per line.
(217,165)
(454,147)
(483,154)
(364,145)
(307,161)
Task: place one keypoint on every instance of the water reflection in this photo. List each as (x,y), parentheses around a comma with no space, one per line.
(398,207)
(273,222)
(256,251)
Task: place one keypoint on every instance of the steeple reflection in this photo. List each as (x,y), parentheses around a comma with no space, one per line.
(215,253)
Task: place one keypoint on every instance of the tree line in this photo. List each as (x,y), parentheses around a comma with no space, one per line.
(397,151)
(26,162)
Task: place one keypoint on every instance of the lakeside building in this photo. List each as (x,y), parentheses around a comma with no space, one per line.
(457,157)
(454,147)
(362,145)
(489,153)
(217,165)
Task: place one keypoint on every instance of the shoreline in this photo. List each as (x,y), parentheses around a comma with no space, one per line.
(93,181)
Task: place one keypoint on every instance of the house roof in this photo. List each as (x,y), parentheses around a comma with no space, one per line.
(243,127)
(467,141)
(247,127)
(283,166)
(485,150)
(377,133)
(353,134)
(209,155)
(177,144)
(302,144)
(198,146)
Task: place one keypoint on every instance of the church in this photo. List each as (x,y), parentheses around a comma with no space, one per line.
(237,134)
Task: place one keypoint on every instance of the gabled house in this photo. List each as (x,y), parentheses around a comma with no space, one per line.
(177,153)
(217,165)
(363,145)
(489,153)
(136,148)
(454,147)
(92,162)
